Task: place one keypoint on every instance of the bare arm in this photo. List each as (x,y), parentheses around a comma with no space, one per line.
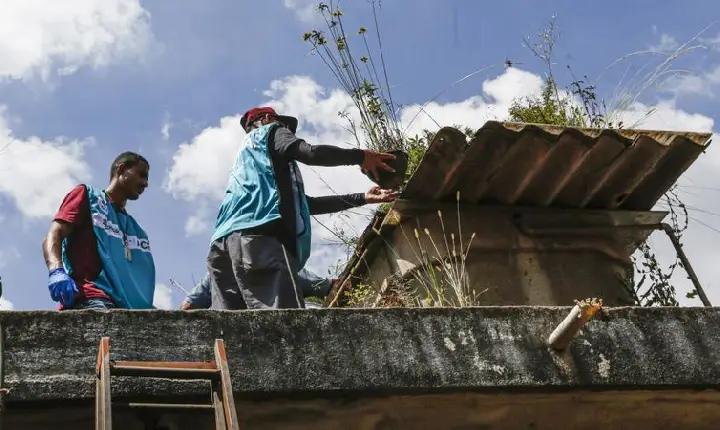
(52,244)
(73,211)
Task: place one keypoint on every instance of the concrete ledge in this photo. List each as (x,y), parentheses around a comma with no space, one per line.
(51,355)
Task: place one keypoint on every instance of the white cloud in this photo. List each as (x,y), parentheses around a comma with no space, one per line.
(163,297)
(199,172)
(38,38)
(60,161)
(196,224)
(305,10)
(166,126)
(200,167)
(6,305)
(694,84)
(666,44)
(497,97)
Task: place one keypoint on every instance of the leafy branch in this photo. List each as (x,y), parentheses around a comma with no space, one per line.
(363,78)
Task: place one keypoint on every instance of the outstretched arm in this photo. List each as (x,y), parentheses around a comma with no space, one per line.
(332,204)
(290,147)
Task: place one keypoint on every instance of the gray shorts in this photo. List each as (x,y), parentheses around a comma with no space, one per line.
(251,272)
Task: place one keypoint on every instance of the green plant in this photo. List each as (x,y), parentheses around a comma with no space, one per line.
(363,77)
(357,297)
(315,300)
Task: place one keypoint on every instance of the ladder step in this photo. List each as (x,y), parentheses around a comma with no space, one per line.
(163,405)
(217,371)
(164,372)
(173,364)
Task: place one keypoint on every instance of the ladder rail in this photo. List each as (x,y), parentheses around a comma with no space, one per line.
(231,418)
(217,372)
(216,398)
(103,402)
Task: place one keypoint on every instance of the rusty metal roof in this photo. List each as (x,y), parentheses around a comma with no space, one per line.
(542,165)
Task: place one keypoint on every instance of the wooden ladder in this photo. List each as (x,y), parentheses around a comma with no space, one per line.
(217,372)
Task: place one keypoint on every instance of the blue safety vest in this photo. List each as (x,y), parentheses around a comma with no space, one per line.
(130,282)
(252,198)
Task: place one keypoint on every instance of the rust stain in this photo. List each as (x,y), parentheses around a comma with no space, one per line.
(542,165)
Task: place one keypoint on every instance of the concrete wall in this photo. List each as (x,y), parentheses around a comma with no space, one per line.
(586,410)
(506,265)
(381,368)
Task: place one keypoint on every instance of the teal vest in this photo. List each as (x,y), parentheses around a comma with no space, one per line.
(252,198)
(130,283)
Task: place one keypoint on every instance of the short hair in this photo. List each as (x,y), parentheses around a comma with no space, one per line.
(129,159)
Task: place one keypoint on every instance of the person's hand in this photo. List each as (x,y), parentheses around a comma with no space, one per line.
(185,305)
(379,195)
(372,161)
(62,287)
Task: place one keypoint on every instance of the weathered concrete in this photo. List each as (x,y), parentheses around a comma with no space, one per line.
(357,354)
(511,258)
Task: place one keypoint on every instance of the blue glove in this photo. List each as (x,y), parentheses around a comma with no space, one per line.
(62,288)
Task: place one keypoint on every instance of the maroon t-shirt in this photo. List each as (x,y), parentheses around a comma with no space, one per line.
(82,244)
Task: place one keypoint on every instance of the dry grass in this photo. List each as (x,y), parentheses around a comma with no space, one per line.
(439,277)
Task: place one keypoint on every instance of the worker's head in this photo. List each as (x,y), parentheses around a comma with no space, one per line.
(259,116)
(130,172)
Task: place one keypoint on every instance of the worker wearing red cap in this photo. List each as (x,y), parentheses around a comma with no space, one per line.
(262,232)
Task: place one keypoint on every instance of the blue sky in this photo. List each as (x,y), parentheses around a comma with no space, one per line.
(158,77)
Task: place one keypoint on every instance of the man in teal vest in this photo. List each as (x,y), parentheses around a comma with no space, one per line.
(97,254)
(262,231)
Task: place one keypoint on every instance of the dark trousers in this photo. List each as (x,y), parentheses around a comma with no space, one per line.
(96,303)
(250,271)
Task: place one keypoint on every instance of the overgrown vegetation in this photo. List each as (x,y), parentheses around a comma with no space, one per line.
(362,75)
(576,104)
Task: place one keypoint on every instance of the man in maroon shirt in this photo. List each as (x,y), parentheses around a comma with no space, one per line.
(128,179)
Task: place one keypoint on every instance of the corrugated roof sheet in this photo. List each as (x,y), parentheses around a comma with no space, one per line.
(541,165)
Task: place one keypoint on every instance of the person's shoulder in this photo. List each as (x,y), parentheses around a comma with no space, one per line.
(76,195)
(78,189)
(278,130)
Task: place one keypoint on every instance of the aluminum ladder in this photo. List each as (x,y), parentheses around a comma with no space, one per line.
(217,372)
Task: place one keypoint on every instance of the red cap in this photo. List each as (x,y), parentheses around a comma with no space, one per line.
(258,112)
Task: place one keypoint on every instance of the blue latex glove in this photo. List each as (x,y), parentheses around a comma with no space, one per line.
(62,287)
